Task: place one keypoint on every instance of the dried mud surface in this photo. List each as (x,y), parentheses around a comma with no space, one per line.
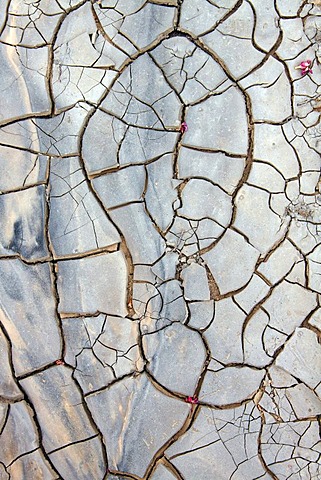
(160,253)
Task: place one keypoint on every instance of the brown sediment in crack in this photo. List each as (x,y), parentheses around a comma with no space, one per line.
(130,285)
(81,315)
(177,150)
(49,76)
(214,290)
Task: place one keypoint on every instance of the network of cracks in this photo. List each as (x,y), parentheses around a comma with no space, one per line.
(160,253)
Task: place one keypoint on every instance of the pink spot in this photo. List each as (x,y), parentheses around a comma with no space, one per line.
(183,127)
(192,400)
(305,67)
(59,362)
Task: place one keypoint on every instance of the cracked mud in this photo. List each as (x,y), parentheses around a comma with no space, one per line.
(160,253)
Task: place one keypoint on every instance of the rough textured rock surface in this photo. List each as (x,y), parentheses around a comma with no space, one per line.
(160,247)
